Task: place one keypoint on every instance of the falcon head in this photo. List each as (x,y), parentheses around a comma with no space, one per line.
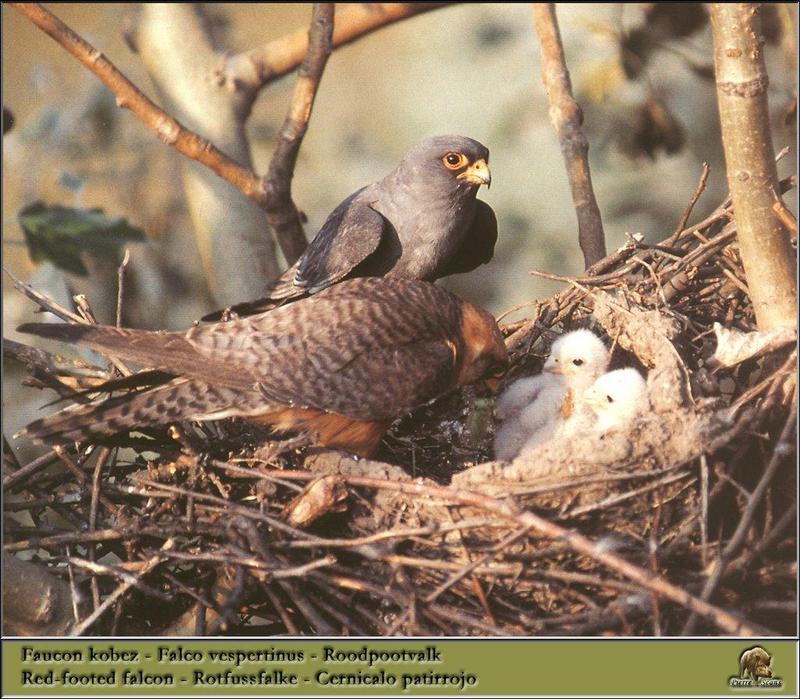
(616,398)
(579,356)
(447,164)
(482,354)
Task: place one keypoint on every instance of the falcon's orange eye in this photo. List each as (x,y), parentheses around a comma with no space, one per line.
(454,161)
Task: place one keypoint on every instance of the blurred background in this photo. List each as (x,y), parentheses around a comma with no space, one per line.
(642,72)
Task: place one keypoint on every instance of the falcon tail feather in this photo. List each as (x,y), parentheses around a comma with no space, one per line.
(124,343)
(180,399)
(140,380)
(166,351)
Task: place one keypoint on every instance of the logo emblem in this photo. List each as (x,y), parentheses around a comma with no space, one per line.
(755,670)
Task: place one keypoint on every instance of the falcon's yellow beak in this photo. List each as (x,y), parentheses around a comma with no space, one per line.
(478,173)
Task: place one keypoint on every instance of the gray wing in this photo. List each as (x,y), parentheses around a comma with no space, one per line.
(351,234)
(478,245)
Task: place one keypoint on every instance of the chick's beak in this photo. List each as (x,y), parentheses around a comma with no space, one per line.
(553,369)
(592,399)
(477,173)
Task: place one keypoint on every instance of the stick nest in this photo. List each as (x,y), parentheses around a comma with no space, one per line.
(685,525)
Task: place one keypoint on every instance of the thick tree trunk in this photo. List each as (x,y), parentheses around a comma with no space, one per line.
(235,242)
(750,159)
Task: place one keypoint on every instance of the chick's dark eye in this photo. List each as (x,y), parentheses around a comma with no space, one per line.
(453,160)
(609,399)
(577,362)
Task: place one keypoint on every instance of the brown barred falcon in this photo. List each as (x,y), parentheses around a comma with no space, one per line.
(341,365)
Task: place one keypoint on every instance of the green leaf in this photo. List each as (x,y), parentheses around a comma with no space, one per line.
(60,234)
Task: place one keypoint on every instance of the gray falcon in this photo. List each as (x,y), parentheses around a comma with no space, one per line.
(421,221)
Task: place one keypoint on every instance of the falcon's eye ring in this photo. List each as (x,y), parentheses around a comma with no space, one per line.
(496,370)
(609,399)
(577,362)
(454,161)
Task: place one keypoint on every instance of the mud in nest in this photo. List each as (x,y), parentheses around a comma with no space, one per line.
(685,525)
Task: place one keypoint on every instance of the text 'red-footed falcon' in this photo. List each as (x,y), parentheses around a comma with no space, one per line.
(421,221)
(341,365)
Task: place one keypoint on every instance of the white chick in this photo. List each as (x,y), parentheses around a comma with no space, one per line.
(616,398)
(510,435)
(518,395)
(532,408)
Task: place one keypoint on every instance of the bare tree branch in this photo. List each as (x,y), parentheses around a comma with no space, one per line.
(701,187)
(278,58)
(257,68)
(169,130)
(233,236)
(742,81)
(282,214)
(44,302)
(151,563)
(567,117)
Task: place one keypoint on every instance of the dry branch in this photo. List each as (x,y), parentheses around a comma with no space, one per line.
(282,214)
(237,271)
(126,258)
(687,212)
(257,68)
(168,129)
(742,82)
(567,118)
(129,582)
(781,453)
(45,303)
(237,266)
